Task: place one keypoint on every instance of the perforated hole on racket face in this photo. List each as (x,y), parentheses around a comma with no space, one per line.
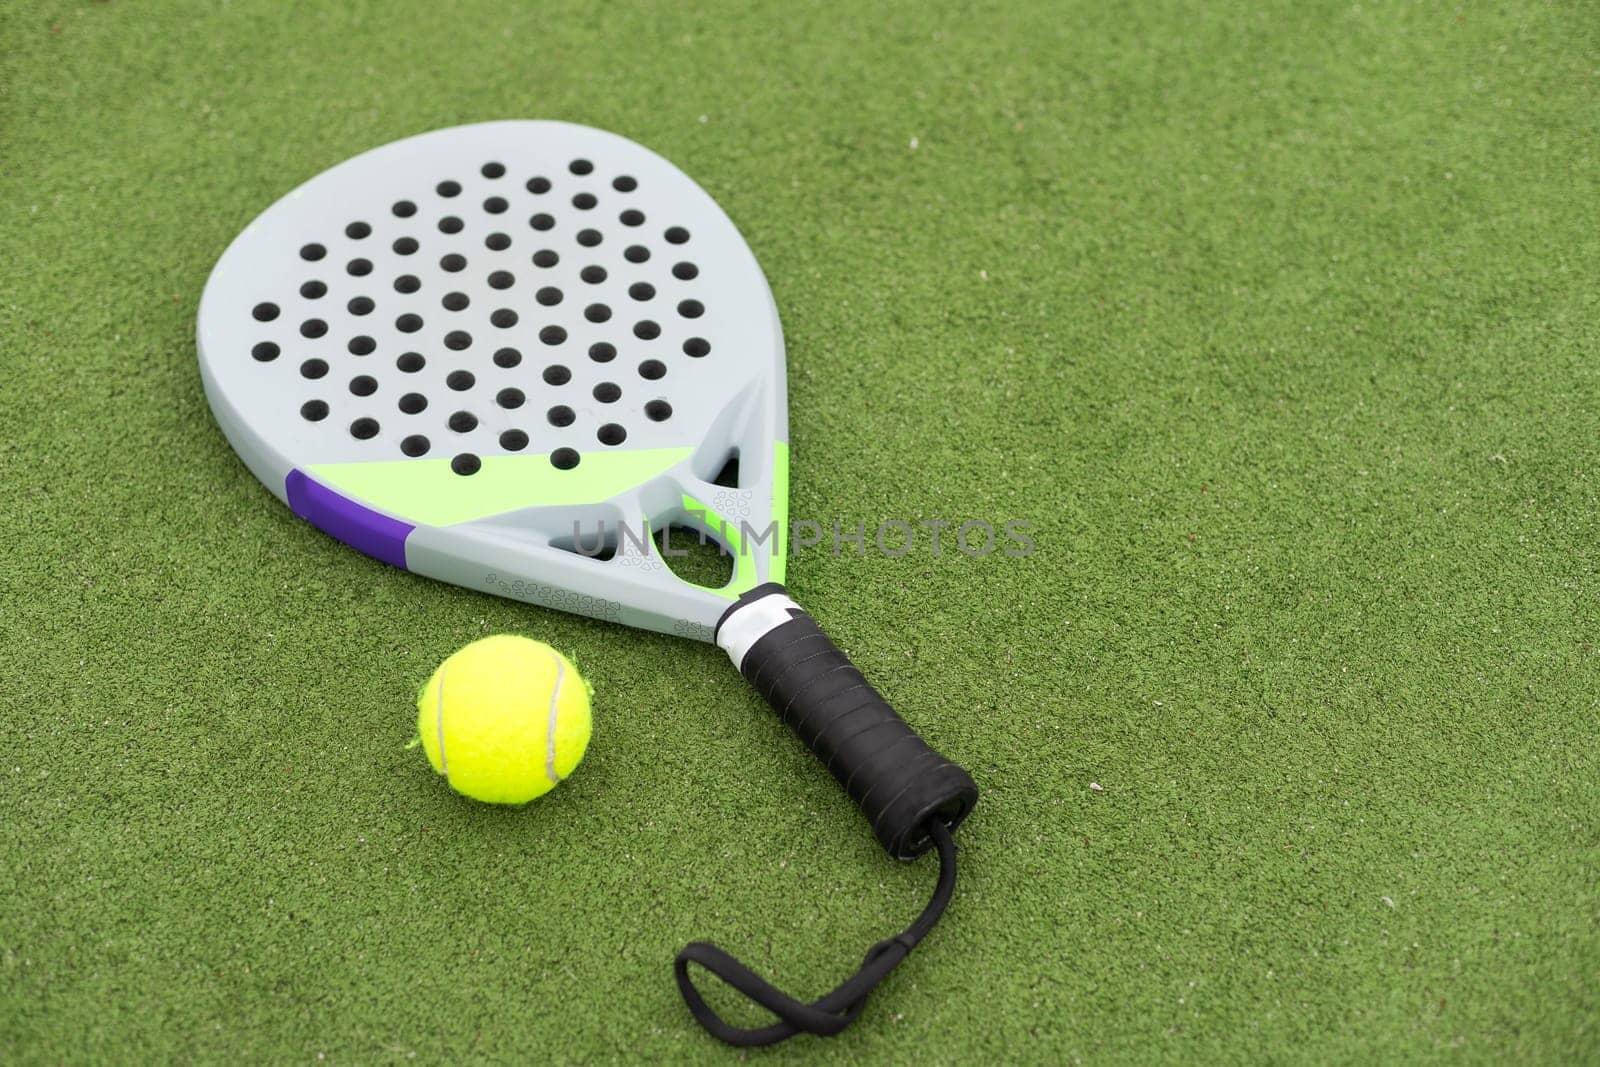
(462,351)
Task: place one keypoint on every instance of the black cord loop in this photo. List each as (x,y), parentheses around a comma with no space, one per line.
(829,1014)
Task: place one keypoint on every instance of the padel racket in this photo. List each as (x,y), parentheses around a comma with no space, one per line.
(506,356)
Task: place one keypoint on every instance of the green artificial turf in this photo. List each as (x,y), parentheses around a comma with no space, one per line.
(1281,324)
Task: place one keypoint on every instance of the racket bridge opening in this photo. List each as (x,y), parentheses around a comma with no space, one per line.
(694,553)
(728,475)
(599,544)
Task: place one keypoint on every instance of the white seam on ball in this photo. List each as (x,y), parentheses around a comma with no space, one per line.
(550,728)
(438,723)
(749,624)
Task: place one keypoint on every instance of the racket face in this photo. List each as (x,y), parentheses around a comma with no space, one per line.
(501,355)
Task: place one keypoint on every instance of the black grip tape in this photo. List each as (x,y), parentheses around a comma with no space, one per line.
(890,772)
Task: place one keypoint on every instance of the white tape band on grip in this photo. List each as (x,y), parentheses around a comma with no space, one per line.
(741,630)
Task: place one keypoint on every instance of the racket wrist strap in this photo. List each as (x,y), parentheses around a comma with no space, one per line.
(829,1014)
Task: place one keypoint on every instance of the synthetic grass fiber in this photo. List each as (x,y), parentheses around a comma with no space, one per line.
(1281,324)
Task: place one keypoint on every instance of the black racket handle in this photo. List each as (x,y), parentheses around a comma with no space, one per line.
(912,796)
(897,780)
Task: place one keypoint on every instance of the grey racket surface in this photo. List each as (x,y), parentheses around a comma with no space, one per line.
(481,352)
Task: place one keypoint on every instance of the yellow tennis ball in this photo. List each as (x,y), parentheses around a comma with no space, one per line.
(504,719)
